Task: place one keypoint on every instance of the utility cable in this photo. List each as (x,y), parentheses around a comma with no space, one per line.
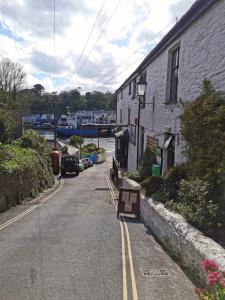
(89,36)
(113,77)
(109,80)
(135,51)
(101,33)
(54,38)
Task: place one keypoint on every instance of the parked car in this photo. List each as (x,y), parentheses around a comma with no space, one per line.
(81,165)
(89,161)
(69,164)
(85,163)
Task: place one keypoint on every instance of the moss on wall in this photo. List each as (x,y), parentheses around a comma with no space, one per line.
(23,174)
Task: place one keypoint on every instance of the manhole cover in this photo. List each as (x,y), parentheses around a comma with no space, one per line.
(154,272)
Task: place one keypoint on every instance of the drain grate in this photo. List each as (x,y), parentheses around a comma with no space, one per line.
(101,189)
(154,272)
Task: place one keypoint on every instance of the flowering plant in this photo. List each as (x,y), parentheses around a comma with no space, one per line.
(216,282)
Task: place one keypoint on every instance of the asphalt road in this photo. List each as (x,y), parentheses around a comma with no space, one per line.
(70,248)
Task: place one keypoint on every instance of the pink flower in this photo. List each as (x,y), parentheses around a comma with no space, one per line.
(209,265)
(223,283)
(213,277)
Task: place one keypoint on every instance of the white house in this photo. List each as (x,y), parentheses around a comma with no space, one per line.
(194,49)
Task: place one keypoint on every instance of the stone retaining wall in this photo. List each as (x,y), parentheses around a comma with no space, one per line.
(22,185)
(184,242)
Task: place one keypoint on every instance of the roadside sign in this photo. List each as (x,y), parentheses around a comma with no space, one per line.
(129,202)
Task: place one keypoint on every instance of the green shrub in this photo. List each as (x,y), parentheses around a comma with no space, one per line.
(153,184)
(161,196)
(134,175)
(145,166)
(100,150)
(177,173)
(90,148)
(173,177)
(17,159)
(76,141)
(193,191)
(200,215)
(193,203)
(7,127)
(203,128)
(30,139)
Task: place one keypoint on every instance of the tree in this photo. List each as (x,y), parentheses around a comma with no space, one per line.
(38,89)
(7,127)
(203,128)
(76,141)
(12,78)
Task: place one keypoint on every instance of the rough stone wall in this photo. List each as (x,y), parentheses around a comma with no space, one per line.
(201,56)
(18,186)
(188,245)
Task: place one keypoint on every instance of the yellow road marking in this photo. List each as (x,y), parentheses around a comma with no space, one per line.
(111,191)
(18,217)
(132,274)
(123,262)
(130,257)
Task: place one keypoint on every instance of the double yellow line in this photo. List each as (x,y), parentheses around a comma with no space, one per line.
(124,228)
(18,217)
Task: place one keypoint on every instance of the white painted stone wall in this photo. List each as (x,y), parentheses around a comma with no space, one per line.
(184,242)
(202,55)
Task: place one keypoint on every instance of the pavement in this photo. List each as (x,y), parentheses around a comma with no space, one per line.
(72,246)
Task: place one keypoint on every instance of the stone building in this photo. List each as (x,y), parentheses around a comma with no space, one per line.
(193,50)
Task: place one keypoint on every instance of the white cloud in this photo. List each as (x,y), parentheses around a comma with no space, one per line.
(134,25)
(46,82)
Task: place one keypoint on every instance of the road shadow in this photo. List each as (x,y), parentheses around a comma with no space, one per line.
(131,220)
(72,175)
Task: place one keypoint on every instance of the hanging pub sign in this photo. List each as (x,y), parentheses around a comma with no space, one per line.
(129,202)
(152,142)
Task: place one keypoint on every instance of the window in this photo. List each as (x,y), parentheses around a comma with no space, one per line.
(174,75)
(144,75)
(129,88)
(133,134)
(169,151)
(128,117)
(134,88)
(121,116)
(121,94)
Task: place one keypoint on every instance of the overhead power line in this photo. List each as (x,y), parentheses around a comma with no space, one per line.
(134,52)
(101,33)
(54,37)
(134,63)
(89,36)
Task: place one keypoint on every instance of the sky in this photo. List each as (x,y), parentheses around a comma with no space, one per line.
(124,32)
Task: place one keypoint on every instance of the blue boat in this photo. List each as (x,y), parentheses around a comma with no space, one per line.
(69,131)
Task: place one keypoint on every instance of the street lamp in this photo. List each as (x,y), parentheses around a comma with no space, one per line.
(141,88)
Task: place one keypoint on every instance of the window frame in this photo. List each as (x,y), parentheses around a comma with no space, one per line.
(133,133)
(128,116)
(121,116)
(129,88)
(143,99)
(134,89)
(121,94)
(173,75)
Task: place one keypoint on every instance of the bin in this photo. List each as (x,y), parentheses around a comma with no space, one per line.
(156,170)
